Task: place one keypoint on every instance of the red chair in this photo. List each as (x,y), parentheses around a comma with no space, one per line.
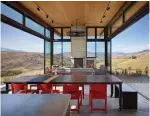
(20,88)
(81,85)
(73,89)
(46,88)
(98,91)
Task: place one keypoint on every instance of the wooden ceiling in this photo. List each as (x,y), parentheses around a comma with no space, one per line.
(65,13)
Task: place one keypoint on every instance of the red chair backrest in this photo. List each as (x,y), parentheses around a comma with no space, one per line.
(99,88)
(70,88)
(47,87)
(17,87)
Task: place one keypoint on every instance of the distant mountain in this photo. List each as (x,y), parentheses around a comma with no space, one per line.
(10,50)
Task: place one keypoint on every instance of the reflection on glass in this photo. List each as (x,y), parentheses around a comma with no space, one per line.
(10,13)
(91,33)
(65,30)
(100,54)
(34,26)
(57,33)
(100,33)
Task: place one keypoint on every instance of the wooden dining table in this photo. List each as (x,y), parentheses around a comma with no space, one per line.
(35,105)
(69,79)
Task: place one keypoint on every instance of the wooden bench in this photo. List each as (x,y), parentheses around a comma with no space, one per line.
(129,95)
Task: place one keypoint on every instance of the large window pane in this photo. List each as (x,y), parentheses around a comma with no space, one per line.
(12,14)
(57,33)
(47,33)
(100,54)
(109,55)
(65,30)
(91,33)
(130,56)
(67,55)
(90,49)
(57,57)
(22,54)
(47,56)
(34,26)
(100,33)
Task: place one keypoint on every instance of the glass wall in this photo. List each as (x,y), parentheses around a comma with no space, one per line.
(100,54)
(65,30)
(130,56)
(57,53)
(67,63)
(109,56)
(47,56)
(91,33)
(48,35)
(91,49)
(57,33)
(12,14)
(100,33)
(22,54)
(34,26)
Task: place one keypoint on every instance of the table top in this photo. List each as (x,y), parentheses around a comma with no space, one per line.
(88,79)
(34,104)
(68,79)
(30,79)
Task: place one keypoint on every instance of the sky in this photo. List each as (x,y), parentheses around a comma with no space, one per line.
(133,39)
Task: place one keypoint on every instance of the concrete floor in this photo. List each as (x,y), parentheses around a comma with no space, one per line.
(112,105)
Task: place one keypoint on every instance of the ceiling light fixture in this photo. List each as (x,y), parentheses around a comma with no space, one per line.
(104,14)
(46,16)
(38,8)
(108,8)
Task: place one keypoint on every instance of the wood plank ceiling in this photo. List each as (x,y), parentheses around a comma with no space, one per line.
(65,13)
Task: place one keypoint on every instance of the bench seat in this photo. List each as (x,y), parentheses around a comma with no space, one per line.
(129,96)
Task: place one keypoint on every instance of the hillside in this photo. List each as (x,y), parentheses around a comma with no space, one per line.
(21,60)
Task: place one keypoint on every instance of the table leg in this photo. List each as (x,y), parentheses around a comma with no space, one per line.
(7,87)
(120,97)
(111,90)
